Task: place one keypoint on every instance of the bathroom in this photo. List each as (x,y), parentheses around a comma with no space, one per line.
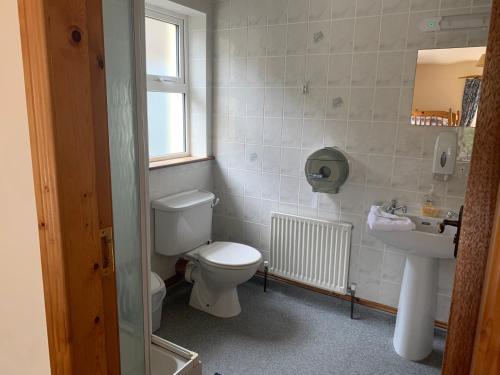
(288,180)
(268,84)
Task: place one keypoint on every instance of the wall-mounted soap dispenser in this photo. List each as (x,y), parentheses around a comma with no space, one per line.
(445,155)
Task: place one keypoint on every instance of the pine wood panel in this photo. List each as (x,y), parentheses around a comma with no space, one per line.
(480,202)
(68,128)
(39,99)
(486,359)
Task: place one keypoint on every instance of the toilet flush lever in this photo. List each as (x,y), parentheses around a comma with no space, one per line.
(215,202)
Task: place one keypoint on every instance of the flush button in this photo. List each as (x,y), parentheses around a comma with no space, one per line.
(443,159)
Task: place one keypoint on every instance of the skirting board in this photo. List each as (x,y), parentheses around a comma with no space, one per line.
(361,301)
(374,305)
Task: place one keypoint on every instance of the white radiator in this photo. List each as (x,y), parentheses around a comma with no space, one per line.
(314,252)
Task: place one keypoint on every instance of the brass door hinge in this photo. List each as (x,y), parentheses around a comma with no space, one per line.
(108,253)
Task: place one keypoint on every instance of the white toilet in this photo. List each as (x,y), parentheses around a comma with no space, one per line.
(183,226)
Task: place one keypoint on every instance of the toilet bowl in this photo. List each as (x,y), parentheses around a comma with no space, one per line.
(183,226)
(216,270)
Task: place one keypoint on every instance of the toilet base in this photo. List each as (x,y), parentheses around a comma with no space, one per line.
(223,304)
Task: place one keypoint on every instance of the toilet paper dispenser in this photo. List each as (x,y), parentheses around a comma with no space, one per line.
(326,170)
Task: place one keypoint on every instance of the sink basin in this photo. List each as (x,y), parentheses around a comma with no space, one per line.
(425,240)
(414,330)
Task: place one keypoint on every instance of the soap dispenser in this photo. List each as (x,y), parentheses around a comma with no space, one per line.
(428,208)
(445,155)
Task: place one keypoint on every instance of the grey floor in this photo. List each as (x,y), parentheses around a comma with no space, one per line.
(289,330)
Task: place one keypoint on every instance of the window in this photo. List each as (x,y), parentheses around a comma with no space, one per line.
(167,86)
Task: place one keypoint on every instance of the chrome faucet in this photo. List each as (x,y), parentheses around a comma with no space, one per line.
(392,206)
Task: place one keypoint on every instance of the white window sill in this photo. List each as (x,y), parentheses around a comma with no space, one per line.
(178,161)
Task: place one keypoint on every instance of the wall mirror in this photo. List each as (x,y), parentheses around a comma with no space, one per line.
(447,91)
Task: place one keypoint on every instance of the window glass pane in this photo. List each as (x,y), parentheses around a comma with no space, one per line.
(166,123)
(161,48)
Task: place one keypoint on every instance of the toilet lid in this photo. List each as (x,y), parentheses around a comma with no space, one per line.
(229,255)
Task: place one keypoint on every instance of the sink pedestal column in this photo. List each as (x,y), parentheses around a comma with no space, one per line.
(414,331)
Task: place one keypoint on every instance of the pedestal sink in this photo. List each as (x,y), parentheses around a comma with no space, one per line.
(414,331)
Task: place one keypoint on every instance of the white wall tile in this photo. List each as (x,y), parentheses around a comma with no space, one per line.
(270,183)
(271,157)
(296,39)
(393,31)
(390,67)
(291,135)
(276,11)
(337,103)
(343,8)
(314,103)
(317,70)
(318,37)
(272,131)
(257,38)
(379,170)
(395,6)
(294,102)
(405,174)
(358,59)
(289,190)
(276,40)
(364,69)
(368,7)
(342,35)
(295,70)
(298,10)
(312,134)
(290,162)
(361,103)
(339,71)
(335,133)
(320,10)
(367,34)
(275,71)
(257,13)
(274,102)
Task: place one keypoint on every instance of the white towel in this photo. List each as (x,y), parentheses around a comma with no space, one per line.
(383,221)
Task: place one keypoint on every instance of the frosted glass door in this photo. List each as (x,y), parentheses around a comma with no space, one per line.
(123,139)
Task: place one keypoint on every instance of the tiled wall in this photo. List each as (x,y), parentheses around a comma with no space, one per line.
(358,58)
(199,90)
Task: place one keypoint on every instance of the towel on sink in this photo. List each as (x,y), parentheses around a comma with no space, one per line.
(383,221)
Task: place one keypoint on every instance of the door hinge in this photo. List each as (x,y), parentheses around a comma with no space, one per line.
(108,253)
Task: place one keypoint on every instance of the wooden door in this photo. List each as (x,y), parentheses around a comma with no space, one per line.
(486,358)
(63,55)
(479,212)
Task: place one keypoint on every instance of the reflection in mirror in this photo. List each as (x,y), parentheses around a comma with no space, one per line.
(447,91)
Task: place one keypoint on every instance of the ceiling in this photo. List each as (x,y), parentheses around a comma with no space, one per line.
(449,55)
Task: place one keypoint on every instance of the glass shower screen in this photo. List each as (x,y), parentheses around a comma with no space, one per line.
(125,181)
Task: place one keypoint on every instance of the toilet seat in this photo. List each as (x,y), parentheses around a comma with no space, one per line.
(229,255)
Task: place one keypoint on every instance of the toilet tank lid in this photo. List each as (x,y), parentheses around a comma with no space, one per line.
(183,201)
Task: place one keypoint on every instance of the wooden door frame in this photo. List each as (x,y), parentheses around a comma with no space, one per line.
(479,213)
(63,57)
(486,357)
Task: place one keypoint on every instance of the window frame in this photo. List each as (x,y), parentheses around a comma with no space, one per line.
(169,84)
